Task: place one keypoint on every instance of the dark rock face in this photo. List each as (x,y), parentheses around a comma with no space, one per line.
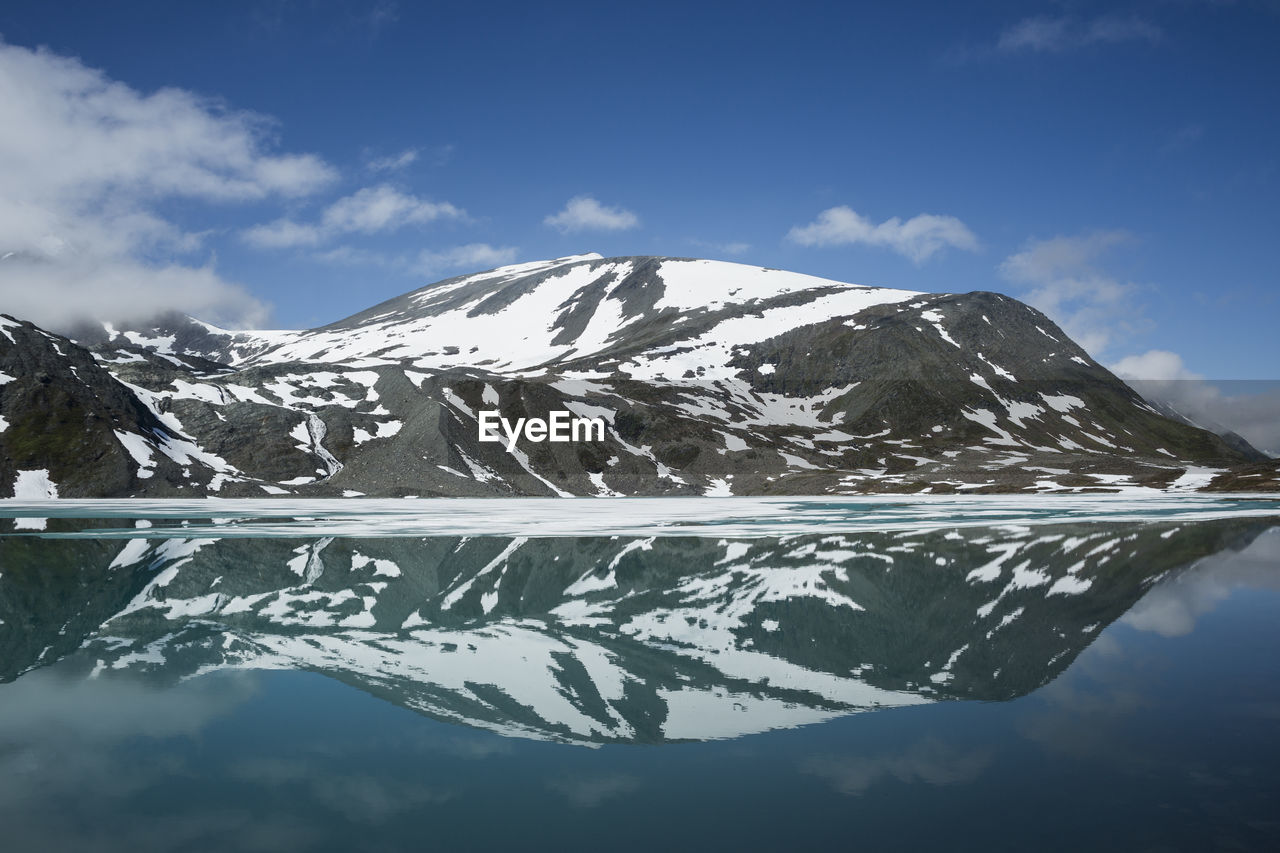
(63,412)
(712,378)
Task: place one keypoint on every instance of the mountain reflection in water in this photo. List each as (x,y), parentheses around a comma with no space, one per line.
(602,639)
(166,689)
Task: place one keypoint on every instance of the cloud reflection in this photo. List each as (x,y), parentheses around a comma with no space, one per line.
(929,761)
(1172,607)
(590,791)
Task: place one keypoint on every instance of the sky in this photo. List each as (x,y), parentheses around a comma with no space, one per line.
(287,163)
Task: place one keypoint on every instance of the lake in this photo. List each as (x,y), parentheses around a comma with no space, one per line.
(986,673)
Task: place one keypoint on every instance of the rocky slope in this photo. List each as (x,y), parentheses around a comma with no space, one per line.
(713,378)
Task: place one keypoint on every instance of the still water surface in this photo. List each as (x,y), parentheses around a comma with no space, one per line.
(891,675)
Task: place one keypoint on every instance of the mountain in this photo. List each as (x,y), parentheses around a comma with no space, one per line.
(1178,399)
(712,378)
(600,639)
(179,339)
(63,414)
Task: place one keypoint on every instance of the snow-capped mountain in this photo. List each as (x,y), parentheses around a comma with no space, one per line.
(712,378)
(599,639)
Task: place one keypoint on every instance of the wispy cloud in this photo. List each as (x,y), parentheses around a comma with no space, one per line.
(1057,34)
(379,15)
(382,208)
(471,258)
(282,234)
(1182,139)
(584,213)
(367,211)
(358,797)
(590,791)
(394,162)
(352,256)
(363,19)
(918,238)
(929,761)
(732,248)
(1043,34)
(437,155)
(1061,277)
(91,177)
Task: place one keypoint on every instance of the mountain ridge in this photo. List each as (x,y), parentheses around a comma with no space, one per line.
(713,378)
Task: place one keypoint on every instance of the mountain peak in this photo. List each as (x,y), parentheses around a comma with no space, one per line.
(524,317)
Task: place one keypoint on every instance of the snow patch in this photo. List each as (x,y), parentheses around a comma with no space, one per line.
(34,486)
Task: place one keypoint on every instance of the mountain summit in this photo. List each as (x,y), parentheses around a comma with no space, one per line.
(709,378)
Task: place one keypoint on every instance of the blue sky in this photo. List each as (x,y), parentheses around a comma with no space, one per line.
(290,162)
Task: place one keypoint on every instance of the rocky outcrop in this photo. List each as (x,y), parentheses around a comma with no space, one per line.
(63,413)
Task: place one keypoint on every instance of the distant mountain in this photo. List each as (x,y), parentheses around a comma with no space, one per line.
(1170,398)
(172,335)
(712,378)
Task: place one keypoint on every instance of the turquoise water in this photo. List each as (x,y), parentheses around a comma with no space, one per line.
(821,677)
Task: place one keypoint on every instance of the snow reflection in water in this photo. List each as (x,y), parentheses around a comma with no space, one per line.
(211,678)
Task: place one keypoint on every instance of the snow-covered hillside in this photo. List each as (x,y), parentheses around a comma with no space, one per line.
(585,310)
(713,378)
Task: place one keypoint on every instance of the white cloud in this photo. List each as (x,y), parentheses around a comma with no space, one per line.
(86,164)
(58,294)
(1252,410)
(73,135)
(584,213)
(472,257)
(1093,307)
(1056,35)
(918,238)
(383,208)
(395,162)
(1159,365)
(282,234)
(366,211)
